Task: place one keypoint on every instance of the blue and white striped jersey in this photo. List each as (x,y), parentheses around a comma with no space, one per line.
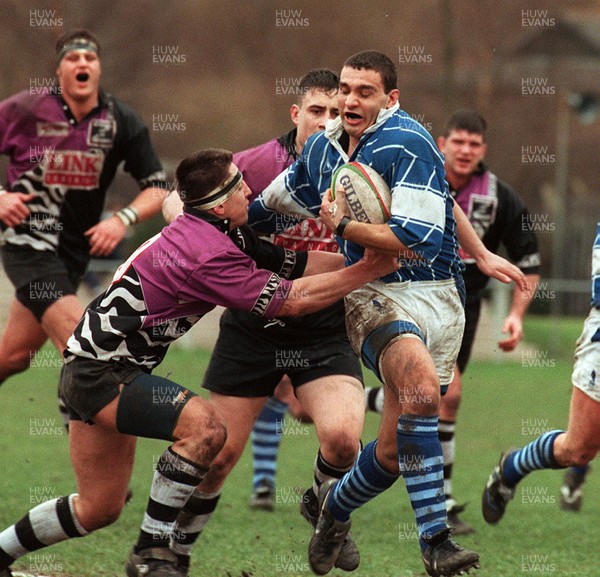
(406,156)
(596,270)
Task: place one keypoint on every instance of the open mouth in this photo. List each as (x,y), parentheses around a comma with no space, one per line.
(352,116)
(82,77)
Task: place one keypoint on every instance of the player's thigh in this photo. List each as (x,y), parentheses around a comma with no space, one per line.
(22,336)
(450,402)
(409,370)
(285,393)
(335,403)
(61,318)
(238,414)
(102,460)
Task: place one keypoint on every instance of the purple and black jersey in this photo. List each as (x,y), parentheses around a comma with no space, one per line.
(175,278)
(498,216)
(69,165)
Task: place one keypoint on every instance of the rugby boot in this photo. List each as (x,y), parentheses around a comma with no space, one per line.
(445,558)
(329,536)
(497,493)
(263,496)
(349,557)
(154,562)
(458,526)
(571,492)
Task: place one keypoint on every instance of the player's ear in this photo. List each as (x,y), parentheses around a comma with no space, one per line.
(484,149)
(219,210)
(393,96)
(294,113)
(441,142)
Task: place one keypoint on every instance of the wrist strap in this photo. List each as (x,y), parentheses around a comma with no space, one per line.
(341,227)
(128,215)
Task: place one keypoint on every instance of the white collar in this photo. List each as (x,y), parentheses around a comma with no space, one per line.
(334,128)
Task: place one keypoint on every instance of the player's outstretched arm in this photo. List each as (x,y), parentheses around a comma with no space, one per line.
(309,294)
(488,263)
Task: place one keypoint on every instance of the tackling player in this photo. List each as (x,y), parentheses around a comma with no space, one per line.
(156,296)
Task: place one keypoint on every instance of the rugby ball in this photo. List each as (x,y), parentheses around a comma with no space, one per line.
(367,194)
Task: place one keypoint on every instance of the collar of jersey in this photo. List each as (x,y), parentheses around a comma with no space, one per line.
(334,127)
(221,223)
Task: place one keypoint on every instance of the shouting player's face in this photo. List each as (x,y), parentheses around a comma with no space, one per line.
(360,98)
(78,75)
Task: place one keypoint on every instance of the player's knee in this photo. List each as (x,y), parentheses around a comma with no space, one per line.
(223,463)
(202,431)
(93,516)
(582,457)
(422,399)
(341,447)
(15,362)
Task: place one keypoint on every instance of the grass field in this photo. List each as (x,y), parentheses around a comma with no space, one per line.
(504,405)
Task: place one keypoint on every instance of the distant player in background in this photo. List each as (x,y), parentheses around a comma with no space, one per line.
(580,443)
(500,218)
(64,148)
(260,165)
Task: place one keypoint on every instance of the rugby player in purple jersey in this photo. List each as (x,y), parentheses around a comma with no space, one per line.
(64,146)
(156,296)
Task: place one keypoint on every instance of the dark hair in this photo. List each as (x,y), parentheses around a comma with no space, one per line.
(202,172)
(67,37)
(319,79)
(373,60)
(465,119)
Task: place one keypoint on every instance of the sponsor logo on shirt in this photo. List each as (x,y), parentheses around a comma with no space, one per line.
(101,132)
(52,129)
(73,169)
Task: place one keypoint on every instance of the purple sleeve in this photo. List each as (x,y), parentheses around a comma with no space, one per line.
(231,279)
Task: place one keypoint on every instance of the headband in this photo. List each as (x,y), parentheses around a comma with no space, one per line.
(77,44)
(218,195)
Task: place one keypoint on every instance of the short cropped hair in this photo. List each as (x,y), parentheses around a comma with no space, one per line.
(319,79)
(373,60)
(202,172)
(465,119)
(67,37)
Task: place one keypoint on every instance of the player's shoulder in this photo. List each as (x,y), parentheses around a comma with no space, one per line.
(256,152)
(26,100)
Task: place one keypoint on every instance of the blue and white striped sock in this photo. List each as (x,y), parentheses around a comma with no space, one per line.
(422,466)
(537,455)
(363,482)
(266,437)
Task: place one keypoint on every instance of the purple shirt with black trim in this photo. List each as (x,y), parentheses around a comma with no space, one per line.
(165,287)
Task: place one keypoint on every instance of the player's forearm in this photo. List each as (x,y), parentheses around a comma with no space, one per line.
(172,207)
(378,237)
(149,202)
(522,297)
(321,262)
(309,294)
(467,237)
